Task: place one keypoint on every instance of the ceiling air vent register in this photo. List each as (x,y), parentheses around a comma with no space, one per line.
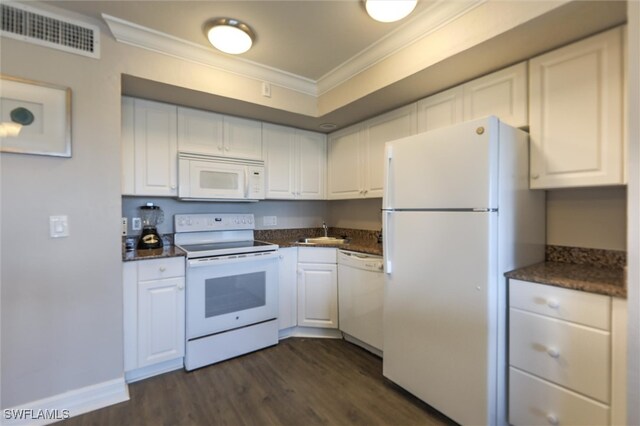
(47,29)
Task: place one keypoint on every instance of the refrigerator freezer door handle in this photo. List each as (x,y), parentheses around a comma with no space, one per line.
(386,202)
(386,252)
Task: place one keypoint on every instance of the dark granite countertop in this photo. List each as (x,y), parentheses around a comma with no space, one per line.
(362,241)
(578,269)
(166,251)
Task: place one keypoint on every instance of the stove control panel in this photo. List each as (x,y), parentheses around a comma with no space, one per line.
(212,222)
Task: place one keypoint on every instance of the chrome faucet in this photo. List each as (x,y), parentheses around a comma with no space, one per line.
(324,226)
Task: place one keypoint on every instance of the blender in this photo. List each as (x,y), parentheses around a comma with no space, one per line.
(150,216)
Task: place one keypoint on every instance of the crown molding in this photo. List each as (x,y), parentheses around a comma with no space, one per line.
(426,22)
(431,19)
(146,38)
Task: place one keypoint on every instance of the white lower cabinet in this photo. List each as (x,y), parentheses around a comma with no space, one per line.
(154,316)
(317,287)
(287,288)
(565,349)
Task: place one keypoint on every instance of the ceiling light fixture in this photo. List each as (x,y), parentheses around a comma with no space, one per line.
(230,35)
(389,10)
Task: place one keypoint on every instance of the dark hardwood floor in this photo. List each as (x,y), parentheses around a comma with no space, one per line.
(298,382)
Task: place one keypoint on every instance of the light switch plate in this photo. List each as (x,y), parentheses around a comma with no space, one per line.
(136,225)
(58,226)
(124,226)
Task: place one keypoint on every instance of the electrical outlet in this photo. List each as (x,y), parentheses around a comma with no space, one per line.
(266,89)
(58,226)
(124,226)
(136,224)
(269,220)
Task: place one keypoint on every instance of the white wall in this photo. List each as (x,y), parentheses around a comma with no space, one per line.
(633,283)
(588,217)
(62,298)
(289,214)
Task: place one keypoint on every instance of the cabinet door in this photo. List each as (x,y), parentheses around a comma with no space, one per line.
(317,295)
(576,114)
(155,148)
(441,110)
(161,320)
(387,127)
(345,164)
(243,138)
(288,289)
(279,161)
(200,131)
(502,93)
(311,165)
(128,146)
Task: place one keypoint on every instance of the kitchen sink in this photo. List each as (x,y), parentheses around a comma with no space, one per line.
(323,240)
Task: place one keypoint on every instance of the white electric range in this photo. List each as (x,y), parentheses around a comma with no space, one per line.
(232,287)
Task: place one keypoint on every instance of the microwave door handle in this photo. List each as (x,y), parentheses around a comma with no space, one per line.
(246,182)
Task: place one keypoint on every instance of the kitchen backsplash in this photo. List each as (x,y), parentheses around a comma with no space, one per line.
(586,256)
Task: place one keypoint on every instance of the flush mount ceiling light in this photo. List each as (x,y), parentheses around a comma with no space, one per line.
(229,35)
(389,10)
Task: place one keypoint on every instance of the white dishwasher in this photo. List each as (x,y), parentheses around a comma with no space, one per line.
(360,294)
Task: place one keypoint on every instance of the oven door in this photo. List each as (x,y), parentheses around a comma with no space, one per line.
(228,292)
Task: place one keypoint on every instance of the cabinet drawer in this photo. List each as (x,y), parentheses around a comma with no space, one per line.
(157,269)
(570,355)
(533,401)
(581,307)
(317,255)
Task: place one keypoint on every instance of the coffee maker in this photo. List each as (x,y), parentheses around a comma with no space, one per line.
(150,216)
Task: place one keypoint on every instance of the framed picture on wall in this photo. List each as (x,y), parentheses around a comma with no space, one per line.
(35,117)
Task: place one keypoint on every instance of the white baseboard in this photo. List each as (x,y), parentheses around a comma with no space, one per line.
(68,404)
(326,333)
(154,370)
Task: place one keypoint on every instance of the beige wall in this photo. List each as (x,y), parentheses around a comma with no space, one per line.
(589,217)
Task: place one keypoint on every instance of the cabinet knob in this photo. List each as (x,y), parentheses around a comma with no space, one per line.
(534,177)
(553,352)
(162,269)
(553,304)
(552,419)
(173,186)
(180,286)
(226,148)
(281,257)
(219,147)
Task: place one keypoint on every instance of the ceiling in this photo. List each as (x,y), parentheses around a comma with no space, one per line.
(307,38)
(311,39)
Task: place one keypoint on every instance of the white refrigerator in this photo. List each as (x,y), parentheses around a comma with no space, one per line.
(457,214)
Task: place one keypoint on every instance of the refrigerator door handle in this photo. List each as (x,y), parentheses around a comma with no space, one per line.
(386,202)
(386,252)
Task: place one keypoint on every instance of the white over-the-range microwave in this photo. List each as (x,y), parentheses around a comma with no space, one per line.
(207,177)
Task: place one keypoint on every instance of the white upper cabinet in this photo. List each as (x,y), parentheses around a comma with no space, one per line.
(576,96)
(344,158)
(356,154)
(200,131)
(149,143)
(295,163)
(209,133)
(502,93)
(242,138)
(441,110)
(379,130)
(311,167)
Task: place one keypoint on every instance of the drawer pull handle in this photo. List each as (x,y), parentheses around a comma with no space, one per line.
(553,352)
(552,419)
(162,269)
(553,304)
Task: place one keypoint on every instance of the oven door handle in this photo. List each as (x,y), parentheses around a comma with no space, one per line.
(232,259)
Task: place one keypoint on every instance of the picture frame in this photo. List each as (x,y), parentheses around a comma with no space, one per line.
(35,117)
